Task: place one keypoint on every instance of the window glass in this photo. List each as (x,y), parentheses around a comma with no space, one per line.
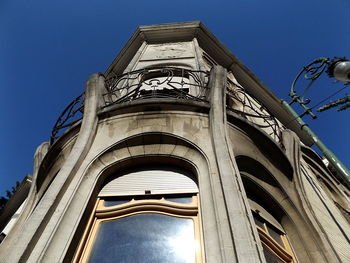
(270,256)
(275,234)
(144,216)
(179,199)
(145,238)
(115,202)
(259,222)
(271,237)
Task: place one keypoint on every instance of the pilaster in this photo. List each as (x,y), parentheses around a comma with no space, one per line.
(238,241)
(40,226)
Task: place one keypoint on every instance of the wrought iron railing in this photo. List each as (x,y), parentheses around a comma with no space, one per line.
(71,115)
(166,82)
(239,102)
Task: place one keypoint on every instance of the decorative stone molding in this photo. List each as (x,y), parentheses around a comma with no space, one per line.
(27,247)
(237,235)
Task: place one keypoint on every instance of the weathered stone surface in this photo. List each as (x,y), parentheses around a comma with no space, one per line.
(239,164)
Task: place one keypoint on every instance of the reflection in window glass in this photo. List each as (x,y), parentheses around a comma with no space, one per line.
(145,238)
(185,200)
(115,202)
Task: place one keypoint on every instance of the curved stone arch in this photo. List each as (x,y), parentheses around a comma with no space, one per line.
(141,149)
(166,124)
(254,167)
(265,190)
(262,142)
(123,154)
(149,143)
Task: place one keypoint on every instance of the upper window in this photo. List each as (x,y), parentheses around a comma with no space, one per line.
(152,219)
(273,239)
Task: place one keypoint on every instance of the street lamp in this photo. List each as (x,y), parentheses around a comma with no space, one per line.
(338,68)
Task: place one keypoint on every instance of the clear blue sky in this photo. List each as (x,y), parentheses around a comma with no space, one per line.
(49,48)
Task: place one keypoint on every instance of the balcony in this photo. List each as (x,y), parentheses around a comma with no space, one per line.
(239,102)
(144,84)
(71,115)
(157,83)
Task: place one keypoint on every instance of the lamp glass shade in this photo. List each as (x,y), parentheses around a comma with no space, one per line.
(342,71)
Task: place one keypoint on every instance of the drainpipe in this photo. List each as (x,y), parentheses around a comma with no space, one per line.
(342,171)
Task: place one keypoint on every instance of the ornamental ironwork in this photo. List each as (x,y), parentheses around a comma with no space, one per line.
(157,83)
(241,103)
(71,115)
(338,68)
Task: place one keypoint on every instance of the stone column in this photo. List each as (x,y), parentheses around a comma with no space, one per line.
(30,243)
(31,199)
(238,241)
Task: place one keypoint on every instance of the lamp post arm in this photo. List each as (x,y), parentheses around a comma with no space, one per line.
(336,163)
(311,72)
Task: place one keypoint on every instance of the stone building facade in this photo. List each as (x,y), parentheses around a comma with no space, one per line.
(177,153)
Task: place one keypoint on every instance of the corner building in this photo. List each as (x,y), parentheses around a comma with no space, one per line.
(178,153)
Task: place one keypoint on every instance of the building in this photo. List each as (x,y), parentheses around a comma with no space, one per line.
(177,153)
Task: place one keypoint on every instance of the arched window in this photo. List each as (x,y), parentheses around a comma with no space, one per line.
(269,216)
(149,215)
(274,241)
